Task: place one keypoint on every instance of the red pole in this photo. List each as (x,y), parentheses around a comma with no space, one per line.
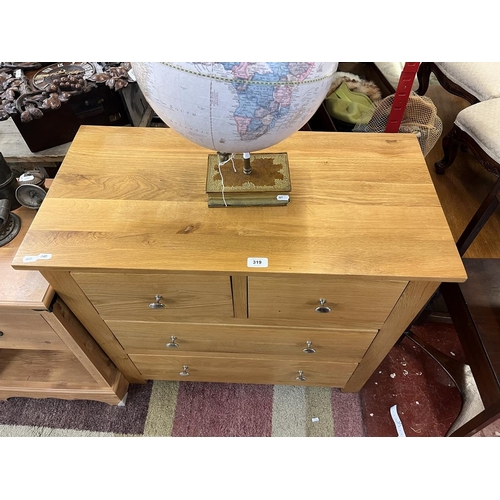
(401,96)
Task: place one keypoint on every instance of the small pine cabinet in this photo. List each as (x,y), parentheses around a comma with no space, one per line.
(45,352)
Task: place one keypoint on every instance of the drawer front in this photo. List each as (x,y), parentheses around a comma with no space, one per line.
(132,297)
(349,302)
(240,369)
(175,338)
(28,331)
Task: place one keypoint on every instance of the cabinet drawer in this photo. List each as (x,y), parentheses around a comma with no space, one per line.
(28,331)
(350,302)
(156,338)
(183,297)
(235,368)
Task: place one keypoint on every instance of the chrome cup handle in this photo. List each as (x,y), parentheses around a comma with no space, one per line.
(309,349)
(172,344)
(157,304)
(322,308)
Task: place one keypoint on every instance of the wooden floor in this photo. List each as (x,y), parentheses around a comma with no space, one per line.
(464,185)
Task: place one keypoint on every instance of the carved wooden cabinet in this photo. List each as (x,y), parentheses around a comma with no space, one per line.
(313,293)
(44,350)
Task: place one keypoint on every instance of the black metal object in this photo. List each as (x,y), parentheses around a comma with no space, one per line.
(8,184)
(10,224)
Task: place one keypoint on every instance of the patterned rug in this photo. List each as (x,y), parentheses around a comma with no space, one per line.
(190,409)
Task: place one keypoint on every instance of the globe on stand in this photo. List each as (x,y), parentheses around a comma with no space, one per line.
(235,109)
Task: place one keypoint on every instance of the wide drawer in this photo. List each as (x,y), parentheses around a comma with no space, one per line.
(174,338)
(335,302)
(28,331)
(133,297)
(235,368)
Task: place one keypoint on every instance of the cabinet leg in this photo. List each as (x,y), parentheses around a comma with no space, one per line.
(123,401)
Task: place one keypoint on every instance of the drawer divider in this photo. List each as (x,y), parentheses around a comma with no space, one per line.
(239,288)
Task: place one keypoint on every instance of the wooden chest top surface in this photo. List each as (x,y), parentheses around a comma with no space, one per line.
(134,199)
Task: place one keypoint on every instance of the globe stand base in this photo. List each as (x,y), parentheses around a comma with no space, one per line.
(268,184)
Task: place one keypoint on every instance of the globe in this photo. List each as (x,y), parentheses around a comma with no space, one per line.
(235,107)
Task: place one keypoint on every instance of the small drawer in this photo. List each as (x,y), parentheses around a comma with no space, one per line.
(233,368)
(28,331)
(175,338)
(158,297)
(326,301)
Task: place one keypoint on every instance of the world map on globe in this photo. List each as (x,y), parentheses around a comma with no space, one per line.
(235,107)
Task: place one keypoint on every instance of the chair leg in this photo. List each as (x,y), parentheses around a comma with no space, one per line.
(479,219)
(451,142)
(477,423)
(423,77)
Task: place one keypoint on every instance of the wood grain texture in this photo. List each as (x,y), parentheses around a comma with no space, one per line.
(243,369)
(34,359)
(330,345)
(239,286)
(43,369)
(26,290)
(134,198)
(80,306)
(15,390)
(128,208)
(28,331)
(186,297)
(82,345)
(354,302)
(53,374)
(414,298)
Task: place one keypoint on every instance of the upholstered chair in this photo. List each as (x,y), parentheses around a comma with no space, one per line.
(474,82)
(476,128)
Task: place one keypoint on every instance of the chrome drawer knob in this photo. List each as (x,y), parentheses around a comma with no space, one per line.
(322,308)
(172,344)
(300,376)
(309,349)
(184,372)
(157,304)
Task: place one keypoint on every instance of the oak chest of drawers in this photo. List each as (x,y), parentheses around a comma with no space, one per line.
(313,293)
